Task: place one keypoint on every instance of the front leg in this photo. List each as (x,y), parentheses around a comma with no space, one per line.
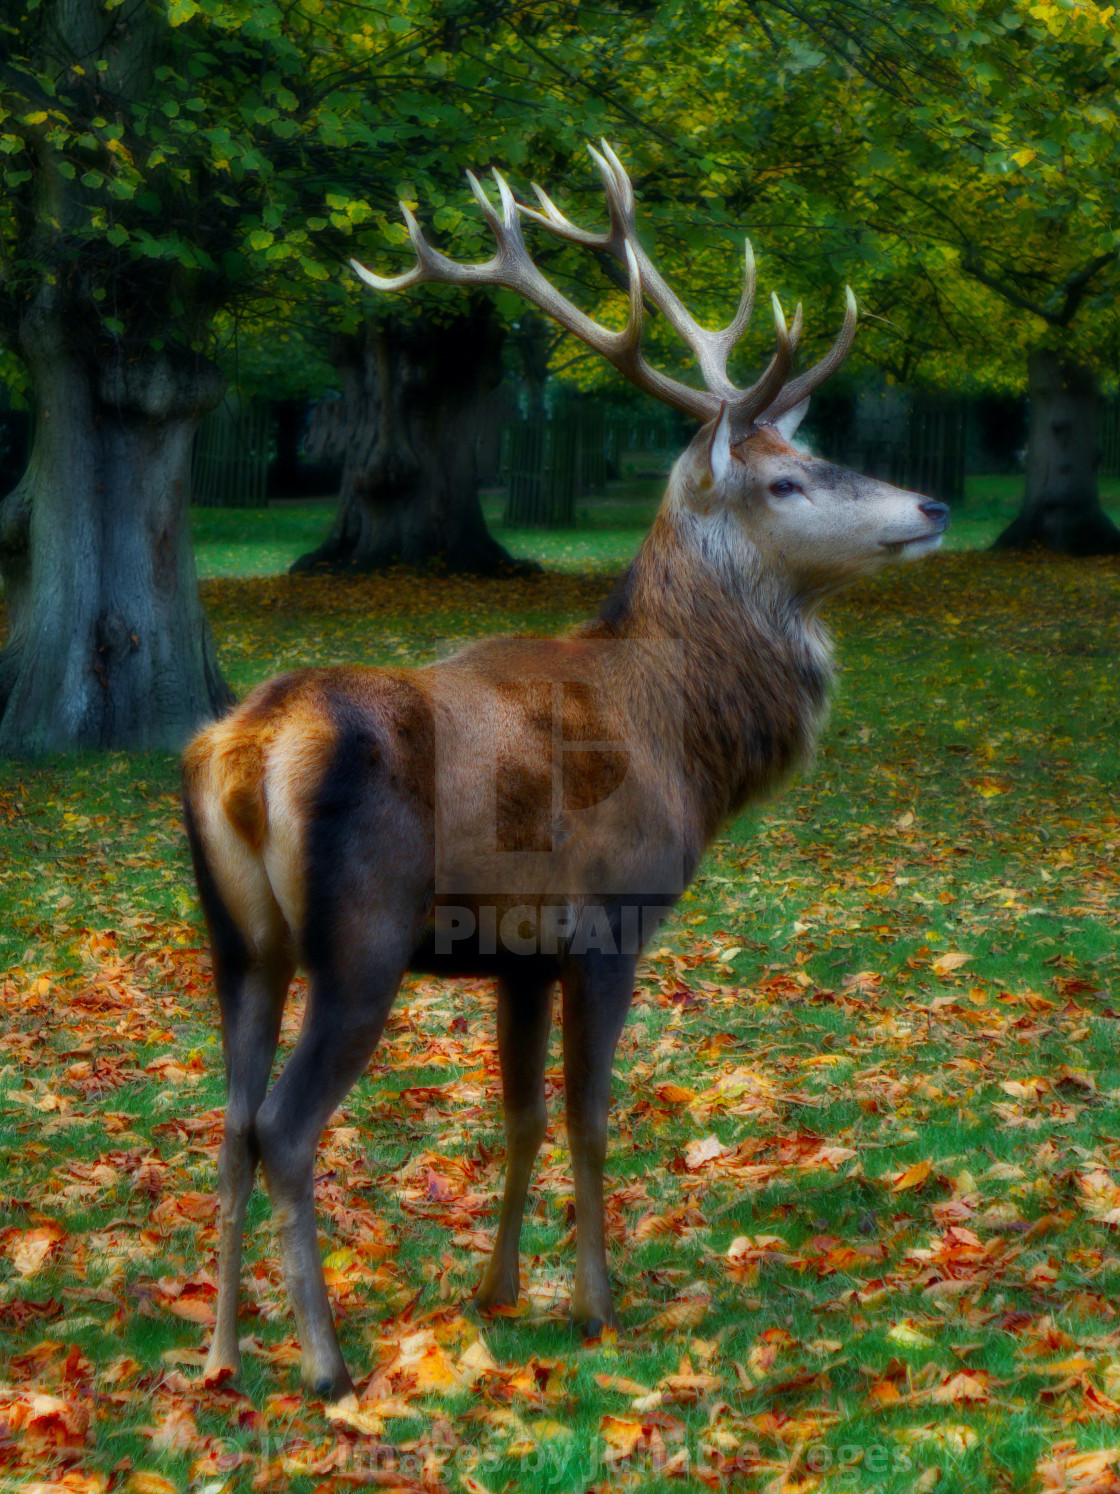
(597,992)
(524,1023)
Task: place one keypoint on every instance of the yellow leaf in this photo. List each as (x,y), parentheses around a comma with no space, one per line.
(688,1312)
(361,1420)
(142,1482)
(621,1384)
(946,963)
(913,1177)
(903,1333)
(621,1435)
(475,1360)
(28,1252)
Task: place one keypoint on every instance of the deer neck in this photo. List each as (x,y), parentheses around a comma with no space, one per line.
(735,672)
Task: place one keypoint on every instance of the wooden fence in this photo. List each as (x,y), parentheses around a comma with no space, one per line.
(920,444)
(229,463)
(549,464)
(935,447)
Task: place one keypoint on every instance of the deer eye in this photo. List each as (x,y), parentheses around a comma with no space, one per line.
(784,486)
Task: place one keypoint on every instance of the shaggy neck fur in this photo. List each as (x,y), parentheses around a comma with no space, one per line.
(742,677)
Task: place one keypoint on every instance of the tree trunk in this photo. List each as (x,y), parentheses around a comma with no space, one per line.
(1061,506)
(108,646)
(406,430)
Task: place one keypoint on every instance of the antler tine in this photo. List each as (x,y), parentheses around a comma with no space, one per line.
(741,320)
(751,402)
(416,276)
(618,187)
(710,349)
(513,268)
(552,218)
(805,384)
(620,206)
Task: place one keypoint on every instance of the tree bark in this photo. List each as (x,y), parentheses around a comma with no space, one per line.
(107,646)
(406,431)
(1061,505)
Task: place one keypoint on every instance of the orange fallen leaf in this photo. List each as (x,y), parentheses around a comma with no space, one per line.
(961,1387)
(914,1176)
(703,1150)
(621,1384)
(884,1393)
(176,1433)
(945,964)
(144,1482)
(30,1249)
(687,1312)
(1064,1470)
(50,1421)
(621,1434)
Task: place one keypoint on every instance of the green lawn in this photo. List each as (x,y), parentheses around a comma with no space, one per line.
(865,1154)
(261,542)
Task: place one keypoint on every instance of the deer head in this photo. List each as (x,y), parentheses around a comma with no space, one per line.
(769,504)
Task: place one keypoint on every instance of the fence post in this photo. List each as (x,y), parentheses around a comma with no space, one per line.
(229,458)
(934,458)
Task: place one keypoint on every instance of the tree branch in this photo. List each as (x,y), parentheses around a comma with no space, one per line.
(1078,283)
(1073,290)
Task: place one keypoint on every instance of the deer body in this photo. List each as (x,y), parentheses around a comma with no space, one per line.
(528,808)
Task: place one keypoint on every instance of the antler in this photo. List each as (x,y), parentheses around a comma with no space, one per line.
(710,348)
(513,268)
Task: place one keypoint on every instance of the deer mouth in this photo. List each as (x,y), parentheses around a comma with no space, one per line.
(911,549)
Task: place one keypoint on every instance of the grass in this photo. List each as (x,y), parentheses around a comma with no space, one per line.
(263,542)
(864,1156)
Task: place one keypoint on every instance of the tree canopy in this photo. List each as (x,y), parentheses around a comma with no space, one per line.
(176,171)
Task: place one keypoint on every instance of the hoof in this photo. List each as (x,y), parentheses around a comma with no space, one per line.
(331,1388)
(590,1327)
(493,1294)
(219,1369)
(492,1301)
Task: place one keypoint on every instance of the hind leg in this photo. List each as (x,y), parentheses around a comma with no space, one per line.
(347,1008)
(251,975)
(524,1022)
(252,1001)
(597,993)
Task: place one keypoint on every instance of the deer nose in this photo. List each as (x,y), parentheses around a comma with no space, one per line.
(936,513)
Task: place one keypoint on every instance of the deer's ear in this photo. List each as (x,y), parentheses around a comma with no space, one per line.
(719,446)
(707,460)
(786,425)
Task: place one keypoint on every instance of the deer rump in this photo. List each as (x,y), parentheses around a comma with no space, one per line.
(499,806)
(529,808)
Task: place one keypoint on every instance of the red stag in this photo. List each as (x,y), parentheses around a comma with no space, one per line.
(528,808)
